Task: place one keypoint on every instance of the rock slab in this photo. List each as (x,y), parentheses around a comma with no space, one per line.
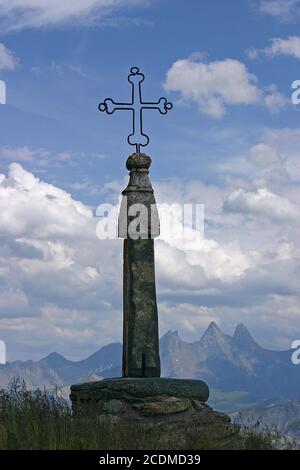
(173,409)
(171,404)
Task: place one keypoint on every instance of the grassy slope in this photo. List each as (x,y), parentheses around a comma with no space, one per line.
(43,421)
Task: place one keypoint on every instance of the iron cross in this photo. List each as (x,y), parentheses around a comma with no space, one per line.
(137,105)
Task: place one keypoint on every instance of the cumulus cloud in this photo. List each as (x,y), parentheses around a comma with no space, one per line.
(271,164)
(8,60)
(263,203)
(61,287)
(51,261)
(286,141)
(17,15)
(281,9)
(289,46)
(37,209)
(264,156)
(214,86)
(274,100)
(51,257)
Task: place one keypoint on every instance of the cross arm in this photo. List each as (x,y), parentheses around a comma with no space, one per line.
(162,105)
(109,106)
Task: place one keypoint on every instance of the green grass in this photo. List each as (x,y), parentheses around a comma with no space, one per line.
(41,420)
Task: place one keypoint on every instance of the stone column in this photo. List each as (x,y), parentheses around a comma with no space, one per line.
(140,323)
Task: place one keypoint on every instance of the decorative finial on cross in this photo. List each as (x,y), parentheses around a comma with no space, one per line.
(137,105)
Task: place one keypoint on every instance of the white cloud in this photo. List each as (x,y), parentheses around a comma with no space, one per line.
(22,154)
(189,318)
(269,162)
(21,14)
(216,85)
(274,100)
(38,159)
(8,60)
(194,266)
(52,261)
(281,9)
(213,85)
(286,141)
(61,287)
(264,155)
(36,209)
(263,203)
(289,46)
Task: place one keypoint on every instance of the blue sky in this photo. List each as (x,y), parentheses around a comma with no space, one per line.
(230,142)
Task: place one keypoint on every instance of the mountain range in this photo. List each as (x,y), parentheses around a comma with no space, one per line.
(238,371)
(233,364)
(283,419)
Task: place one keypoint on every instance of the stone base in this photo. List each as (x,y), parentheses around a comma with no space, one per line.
(169,403)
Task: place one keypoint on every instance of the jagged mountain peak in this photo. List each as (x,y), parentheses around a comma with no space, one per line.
(170,340)
(171,334)
(171,337)
(242,336)
(213,332)
(213,327)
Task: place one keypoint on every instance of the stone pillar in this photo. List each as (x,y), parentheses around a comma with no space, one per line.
(139,225)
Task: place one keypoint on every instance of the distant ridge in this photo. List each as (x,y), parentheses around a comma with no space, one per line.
(227,363)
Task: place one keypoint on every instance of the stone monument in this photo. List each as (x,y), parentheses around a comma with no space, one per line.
(140,319)
(141,395)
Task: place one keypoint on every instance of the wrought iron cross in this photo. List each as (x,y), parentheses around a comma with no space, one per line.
(137,105)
